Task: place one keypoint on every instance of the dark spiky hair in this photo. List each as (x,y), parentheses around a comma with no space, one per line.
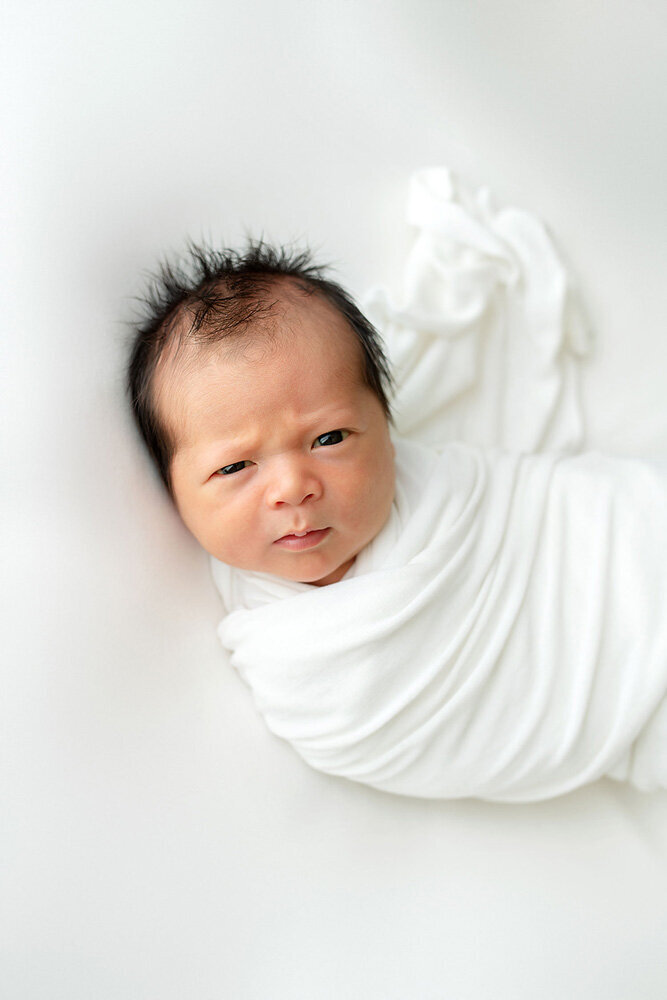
(220,293)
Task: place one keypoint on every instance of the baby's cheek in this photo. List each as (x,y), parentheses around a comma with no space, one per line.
(373,502)
(382,481)
(226,533)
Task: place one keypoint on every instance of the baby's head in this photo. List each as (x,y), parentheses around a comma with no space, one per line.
(261,391)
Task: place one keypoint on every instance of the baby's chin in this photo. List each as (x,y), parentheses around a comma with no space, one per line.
(333,577)
(316,576)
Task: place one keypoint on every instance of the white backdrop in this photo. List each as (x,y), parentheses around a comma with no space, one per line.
(156,841)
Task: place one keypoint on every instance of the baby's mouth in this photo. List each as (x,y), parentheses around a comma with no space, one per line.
(299,540)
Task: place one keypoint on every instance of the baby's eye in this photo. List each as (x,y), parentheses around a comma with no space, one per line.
(331,437)
(229,470)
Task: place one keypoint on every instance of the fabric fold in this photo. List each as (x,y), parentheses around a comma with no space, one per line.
(486,337)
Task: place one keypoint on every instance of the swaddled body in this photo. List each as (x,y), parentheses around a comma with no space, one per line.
(431,619)
(503,637)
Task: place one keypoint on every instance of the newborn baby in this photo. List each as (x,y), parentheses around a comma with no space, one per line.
(434,622)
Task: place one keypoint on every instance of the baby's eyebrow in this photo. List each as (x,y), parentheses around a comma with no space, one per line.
(237,448)
(332,416)
(202,459)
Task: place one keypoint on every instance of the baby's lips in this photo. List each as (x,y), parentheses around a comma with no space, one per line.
(302,539)
(298,533)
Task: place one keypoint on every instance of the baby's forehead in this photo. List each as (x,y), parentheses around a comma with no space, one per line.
(265,343)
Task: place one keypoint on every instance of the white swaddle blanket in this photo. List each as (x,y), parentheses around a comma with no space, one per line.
(505,635)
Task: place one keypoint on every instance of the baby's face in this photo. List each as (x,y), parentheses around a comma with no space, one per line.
(283,463)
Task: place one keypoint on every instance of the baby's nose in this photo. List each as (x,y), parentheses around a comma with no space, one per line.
(293,483)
